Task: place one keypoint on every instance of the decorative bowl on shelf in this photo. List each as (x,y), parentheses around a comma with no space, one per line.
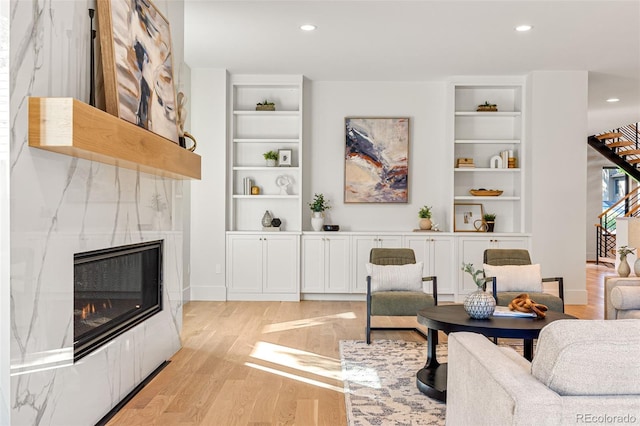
(331,227)
(485,192)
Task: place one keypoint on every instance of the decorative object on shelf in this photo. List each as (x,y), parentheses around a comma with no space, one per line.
(495,162)
(275,222)
(266,219)
(284,157)
(490,221)
(511,160)
(465,216)
(425,218)
(283,182)
(480,225)
(158,205)
(247,185)
(318,206)
(485,192)
(479,304)
(623,268)
(485,107)
(265,106)
(255,190)
(331,228)
(139,91)
(522,303)
(271,157)
(462,163)
(376,160)
(183,142)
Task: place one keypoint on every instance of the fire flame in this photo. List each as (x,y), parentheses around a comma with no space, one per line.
(87,310)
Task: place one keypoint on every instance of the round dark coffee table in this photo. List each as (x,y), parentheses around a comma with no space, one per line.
(432,379)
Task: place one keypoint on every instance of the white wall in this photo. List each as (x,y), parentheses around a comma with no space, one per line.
(557,142)
(328,103)
(208,205)
(5,310)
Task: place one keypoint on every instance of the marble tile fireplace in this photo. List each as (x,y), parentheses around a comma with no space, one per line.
(115,289)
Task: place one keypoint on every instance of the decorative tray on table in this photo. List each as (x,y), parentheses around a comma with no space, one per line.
(485,192)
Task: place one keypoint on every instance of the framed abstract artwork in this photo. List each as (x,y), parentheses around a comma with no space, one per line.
(376,160)
(137,64)
(466,216)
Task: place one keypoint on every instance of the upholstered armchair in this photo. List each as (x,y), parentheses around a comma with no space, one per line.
(396,287)
(513,273)
(621,298)
(583,371)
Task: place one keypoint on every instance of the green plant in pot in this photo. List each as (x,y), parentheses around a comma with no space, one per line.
(271,157)
(479,304)
(425,218)
(490,220)
(318,206)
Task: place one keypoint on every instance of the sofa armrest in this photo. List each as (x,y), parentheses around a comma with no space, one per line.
(485,386)
(609,283)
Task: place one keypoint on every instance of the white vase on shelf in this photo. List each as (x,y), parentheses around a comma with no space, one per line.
(317,220)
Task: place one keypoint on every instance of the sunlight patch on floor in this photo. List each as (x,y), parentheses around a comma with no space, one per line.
(295,377)
(307,322)
(299,360)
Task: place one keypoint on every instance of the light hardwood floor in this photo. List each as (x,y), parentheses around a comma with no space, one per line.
(270,363)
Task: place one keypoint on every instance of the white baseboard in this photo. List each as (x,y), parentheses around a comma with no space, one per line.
(208,293)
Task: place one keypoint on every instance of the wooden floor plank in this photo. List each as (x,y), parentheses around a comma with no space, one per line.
(268,363)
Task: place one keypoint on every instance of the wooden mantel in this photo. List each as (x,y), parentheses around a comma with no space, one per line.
(68,126)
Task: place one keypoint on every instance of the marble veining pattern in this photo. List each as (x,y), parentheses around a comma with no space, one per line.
(61,205)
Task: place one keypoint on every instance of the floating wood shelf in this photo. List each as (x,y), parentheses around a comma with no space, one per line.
(68,126)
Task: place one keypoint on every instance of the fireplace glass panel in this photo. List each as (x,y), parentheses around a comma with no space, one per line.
(114,290)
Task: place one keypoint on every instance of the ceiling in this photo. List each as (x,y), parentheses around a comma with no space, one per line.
(424,40)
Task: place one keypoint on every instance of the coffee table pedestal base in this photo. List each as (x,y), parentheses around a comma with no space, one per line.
(432,381)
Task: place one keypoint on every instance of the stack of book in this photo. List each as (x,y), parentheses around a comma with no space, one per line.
(247,184)
(464,162)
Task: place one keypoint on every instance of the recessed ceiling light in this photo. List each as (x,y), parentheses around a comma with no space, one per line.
(523,28)
(308,27)
(613,100)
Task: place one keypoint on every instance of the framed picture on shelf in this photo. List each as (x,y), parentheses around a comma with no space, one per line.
(137,63)
(376,160)
(466,216)
(284,158)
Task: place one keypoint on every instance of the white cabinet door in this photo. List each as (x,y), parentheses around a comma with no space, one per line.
(313,264)
(437,254)
(471,250)
(337,264)
(280,264)
(362,245)
(244,263)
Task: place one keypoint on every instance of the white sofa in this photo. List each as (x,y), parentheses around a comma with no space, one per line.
(621,298)
(583,372)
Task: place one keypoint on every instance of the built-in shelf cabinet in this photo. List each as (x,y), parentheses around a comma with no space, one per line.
(483,135)
(252,134)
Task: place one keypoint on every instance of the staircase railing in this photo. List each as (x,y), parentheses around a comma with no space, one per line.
(627,206)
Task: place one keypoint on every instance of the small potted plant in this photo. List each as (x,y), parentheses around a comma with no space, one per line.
(318,206)
(490,220)
(425,218)
(265,106)
(271,157)
(623,268)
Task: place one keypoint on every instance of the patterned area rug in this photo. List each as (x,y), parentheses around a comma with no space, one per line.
(380,383)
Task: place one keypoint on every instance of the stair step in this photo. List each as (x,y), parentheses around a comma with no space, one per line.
(629,152)
(619,144)
(634,161)
(610,135)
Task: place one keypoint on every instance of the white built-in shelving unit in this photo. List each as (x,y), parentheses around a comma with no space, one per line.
(482,135)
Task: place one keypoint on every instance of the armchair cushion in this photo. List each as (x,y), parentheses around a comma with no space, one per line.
(580,357)
(518,278)
(625,297)
(395,277)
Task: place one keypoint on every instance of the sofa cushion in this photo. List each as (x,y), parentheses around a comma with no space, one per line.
(515,277)
(395,277)
(589,357)
(625,297)
(629,314)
